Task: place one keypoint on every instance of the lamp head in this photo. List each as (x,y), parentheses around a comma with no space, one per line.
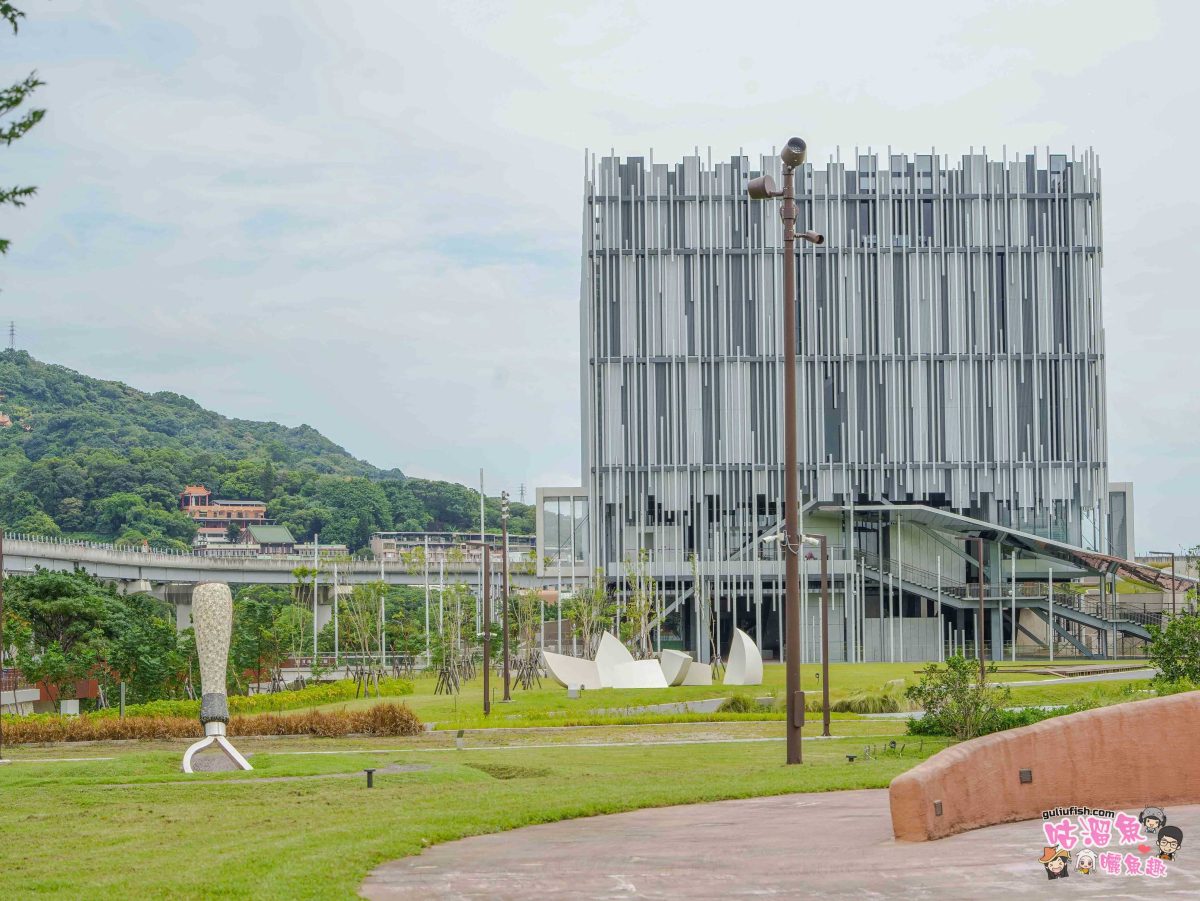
(763,188)
(794,152)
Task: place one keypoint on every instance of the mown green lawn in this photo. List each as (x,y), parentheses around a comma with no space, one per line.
(549,705)
(134,827)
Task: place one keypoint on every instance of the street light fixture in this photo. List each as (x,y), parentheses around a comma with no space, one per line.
(1172,555)
(763,188)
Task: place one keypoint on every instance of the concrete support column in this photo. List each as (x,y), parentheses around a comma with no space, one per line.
(997,617)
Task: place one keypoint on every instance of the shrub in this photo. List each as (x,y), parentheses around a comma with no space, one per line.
(745,704)
(1175,650)
(378,719)
(312,696)
(1164,687)
(737,704)
(1002,719)
(956,701)
(887,700)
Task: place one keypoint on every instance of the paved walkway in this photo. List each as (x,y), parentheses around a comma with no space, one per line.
(1123,675)
(827,845)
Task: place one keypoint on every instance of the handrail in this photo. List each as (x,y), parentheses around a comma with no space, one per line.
(113,553)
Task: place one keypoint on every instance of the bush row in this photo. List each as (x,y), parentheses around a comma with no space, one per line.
(997,720)
(312,696)
(378,719)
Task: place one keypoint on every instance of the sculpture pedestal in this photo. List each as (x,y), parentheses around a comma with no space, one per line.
(215,736)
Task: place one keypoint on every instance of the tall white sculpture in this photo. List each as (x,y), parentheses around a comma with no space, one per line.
(744,666)
(610,654)
(212,619)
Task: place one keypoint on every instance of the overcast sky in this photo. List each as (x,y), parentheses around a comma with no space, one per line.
(365,215)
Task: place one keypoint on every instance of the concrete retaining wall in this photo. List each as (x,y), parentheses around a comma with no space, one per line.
(1124,756)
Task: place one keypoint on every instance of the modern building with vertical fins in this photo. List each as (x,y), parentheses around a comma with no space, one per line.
(950,381)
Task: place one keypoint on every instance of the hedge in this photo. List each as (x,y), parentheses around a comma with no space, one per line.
(378,719)
(273,702)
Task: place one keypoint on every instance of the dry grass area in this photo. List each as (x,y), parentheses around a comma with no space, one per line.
(379,719)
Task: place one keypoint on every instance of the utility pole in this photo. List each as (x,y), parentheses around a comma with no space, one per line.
(487,632)
(316,569)
(482,539)
(504,585)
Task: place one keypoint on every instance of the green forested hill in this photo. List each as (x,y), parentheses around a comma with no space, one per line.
(98,459)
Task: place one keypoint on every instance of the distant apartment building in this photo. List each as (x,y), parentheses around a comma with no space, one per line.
(198,503)
(454,547)
(214,517)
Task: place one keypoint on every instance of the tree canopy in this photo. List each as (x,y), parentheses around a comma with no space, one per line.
(106,462)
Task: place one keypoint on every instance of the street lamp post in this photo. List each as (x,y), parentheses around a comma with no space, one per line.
(504,586)
(486,594)
(487,629)
(763,188)
(1172,554)
(823,542)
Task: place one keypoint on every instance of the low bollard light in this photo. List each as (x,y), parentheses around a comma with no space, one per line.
(370,778)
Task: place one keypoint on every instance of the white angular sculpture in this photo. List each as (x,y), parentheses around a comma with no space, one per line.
(674,665)
(572,671)
(638,674)
(744,666)
(614,667)
(212,618)
(698,674)
(610,654)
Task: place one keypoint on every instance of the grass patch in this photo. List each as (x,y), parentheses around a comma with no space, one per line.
(510,771)
(550,706)
(318,838)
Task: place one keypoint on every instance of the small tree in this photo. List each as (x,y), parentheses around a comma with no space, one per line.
(639,605)
(526,622)
(360,614)
(303,592)
(956,701)
(255,645)
(705,612)
(589,610)
(1175,649)
(413,560)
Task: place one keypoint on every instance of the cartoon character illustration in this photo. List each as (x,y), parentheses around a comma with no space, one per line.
(1153,818)
(1170,840)
(1085,861)
(1055,860)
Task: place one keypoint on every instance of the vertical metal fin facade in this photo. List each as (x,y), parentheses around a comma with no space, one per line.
(951,348)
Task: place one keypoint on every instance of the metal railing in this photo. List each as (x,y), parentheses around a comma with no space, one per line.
(105,552)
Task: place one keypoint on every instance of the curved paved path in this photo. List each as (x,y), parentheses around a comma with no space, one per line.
(827,845)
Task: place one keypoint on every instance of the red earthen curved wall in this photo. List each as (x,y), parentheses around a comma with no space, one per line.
(1124,756)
